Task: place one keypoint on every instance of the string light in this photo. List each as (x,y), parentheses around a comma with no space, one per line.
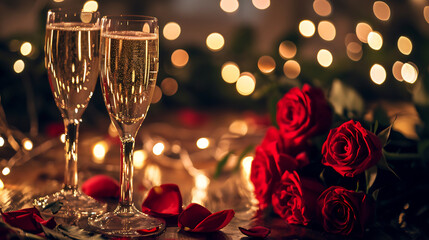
(291,69)
(28,144)
(18,66)
(396,70)
(139,158)
(179,58)
(169,86)
(322,7)
(90,6)
(405,45)
(229,6)
(203,143)
(287,49)
(245,84)
(1,141)
(215,41)
(158,148)
(307,28)
(261,4)
(171,31)
(375,41)
(381,10)
(5,171)
(230,72)
(266,64)
(409,73)
(26,49)
(157,95)
(324,57)
(326,30)
(378,74)
(362,31)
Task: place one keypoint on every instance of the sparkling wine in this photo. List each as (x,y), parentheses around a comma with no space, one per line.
(129,68)
(72,59)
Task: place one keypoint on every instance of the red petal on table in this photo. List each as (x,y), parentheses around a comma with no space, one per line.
(23,219)
(50,223)
(196,218)
(257,231)
(163,201)
(145,231)
(101,186)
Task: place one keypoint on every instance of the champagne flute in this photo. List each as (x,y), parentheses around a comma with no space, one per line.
(72,61)
(129,67)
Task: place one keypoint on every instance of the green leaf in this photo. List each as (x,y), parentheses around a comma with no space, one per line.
(375,194)
(222,164)
(242,155)
(357,186)
(54,206)
(370,176)
(385,166)
(322,176)
(384,135)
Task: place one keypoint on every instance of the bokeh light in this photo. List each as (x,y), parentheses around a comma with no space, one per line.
(409,72)
(229,6)
(63,138)
(203,143)
(90,6)
(426,13)
(291,69)
(324,57)
(5,171)
(157,95)
(375,40)
(139,158)
(230,72)
(377,74)
(287,49)
(354,51)
(171,31)
(396,70)
(99,151)
(326,30)
(261,4)
(266,64)
(18,66)
(1,184)
(381,10)
(307,28)
(405,45)
(245,84)
(362,31)
(1,141)
(169,86)
(158,148)
(27,144)
(215,41)
(112,130)
(239,127)
(322,7)
(26,48)
(179,58)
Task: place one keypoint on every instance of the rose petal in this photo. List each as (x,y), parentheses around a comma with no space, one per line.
(196,218)
(145,231)
(23,219)
(257,231)
(50,223)
(101,186)
(163,201)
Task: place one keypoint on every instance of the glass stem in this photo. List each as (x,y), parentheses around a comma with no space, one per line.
(70,175)
(126,180)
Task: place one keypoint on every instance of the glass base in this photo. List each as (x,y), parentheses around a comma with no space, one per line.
(74,204)
(126,222)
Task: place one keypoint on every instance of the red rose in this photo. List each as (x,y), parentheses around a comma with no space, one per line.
(269,164)
(302,114)
(295,200)
(344,211)
(350,149)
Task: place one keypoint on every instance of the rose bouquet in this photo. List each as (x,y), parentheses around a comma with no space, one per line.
(329,186)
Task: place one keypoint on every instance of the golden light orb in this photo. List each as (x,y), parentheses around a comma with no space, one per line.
(230,72)
(158,148)
(245,84)
(287,49)
(157,95)
(203,143)
(27,144)
(291,69)
(229,6)
(307,28)
(179,58)
(266,64)
(409,73)
(19,66)
(377,74)
(354,51)
(90,6)
(5,171)
(375,40)
(261,4)
(99,151)
(426,13)
(381,10)
(171,31)
(139,158)
(324,57)
(362,31)
(1,141)
(169,86)
(239,127)
(326,30)
(322,7)
(215,41)
(396,70)
(26,49)
(405,45)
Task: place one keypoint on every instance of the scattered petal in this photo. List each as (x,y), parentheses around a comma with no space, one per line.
(101,186)
(163,201)
(196,218)
(257,231)
(27,219)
